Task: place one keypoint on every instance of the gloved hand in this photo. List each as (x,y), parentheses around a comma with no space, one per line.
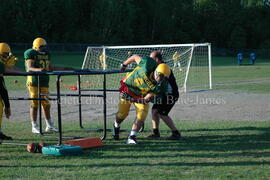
(11,61)
(126,96)
(123,67)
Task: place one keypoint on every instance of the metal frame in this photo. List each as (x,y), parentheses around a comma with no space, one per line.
(58,96)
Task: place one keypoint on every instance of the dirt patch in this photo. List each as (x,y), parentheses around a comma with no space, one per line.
(196,106)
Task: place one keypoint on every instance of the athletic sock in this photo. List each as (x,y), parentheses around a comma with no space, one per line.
(116,125)
(133,133)
(49,123)
(34,123)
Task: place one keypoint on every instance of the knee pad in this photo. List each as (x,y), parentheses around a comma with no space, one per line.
(45,104)
(141,115)
(122,115)
(34,104)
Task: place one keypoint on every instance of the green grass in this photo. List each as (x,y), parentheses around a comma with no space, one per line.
(208,150)
(253,79)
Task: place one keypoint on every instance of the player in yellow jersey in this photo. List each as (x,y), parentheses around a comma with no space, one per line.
(147,80)
(7,60)
(38,59)
(177,60)
(102,60)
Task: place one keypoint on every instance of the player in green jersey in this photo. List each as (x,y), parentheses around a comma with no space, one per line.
(38,59)
(147,80)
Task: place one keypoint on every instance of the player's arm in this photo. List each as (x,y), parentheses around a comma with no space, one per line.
(146,99)
(173,84)
(149,97)
(4,96)
(30,66)
(133,58)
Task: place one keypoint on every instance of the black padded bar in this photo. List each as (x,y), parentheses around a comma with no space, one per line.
(75,95)
(23,98)
(64,73)
(109,90)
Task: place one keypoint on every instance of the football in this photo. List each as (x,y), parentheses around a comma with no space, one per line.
(32,147)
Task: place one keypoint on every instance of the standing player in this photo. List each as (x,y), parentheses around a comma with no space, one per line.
(37,59)
(147,80)
(177,60)
(102,60)
(6,60)
(162,109)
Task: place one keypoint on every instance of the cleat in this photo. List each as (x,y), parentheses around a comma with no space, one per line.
(174,137)
(153,135)
(115,133)
(132,140)
(4,137)
(35,130)
(51,129)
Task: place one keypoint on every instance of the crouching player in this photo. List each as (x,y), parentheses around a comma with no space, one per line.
(162,109)
(7,60)
(147,80)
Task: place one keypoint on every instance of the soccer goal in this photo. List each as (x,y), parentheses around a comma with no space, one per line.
(191,63)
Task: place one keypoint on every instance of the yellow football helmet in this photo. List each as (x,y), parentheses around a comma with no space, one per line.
(162,71)
(6,56)
(4,48)
(38,43)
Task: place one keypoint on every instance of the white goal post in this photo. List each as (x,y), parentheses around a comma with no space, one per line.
(191,63)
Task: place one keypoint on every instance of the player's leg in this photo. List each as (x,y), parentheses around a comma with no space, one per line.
(164,115)
(2,135)
(179,65)
(46,106)
(33,109)
(123,110)
(169,122)
(141,114)
(155,122)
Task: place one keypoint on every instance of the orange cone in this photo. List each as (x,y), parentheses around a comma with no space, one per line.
(86,143)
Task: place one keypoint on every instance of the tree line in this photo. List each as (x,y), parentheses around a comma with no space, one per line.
(224,23)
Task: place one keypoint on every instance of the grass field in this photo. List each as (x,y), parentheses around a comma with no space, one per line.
(226,150)
(208,150)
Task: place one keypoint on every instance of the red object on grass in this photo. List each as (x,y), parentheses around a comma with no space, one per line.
(73,88)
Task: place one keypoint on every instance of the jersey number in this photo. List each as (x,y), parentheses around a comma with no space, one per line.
(45,64)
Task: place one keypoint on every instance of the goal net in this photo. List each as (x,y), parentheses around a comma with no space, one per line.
(191,64)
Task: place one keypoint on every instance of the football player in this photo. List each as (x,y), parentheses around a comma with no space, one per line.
(38,59)
(147,80)
(161,109)
(7,60)
(102,60)
(176,60)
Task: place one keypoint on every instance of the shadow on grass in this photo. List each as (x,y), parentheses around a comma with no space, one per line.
(127,164)
(232,145)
